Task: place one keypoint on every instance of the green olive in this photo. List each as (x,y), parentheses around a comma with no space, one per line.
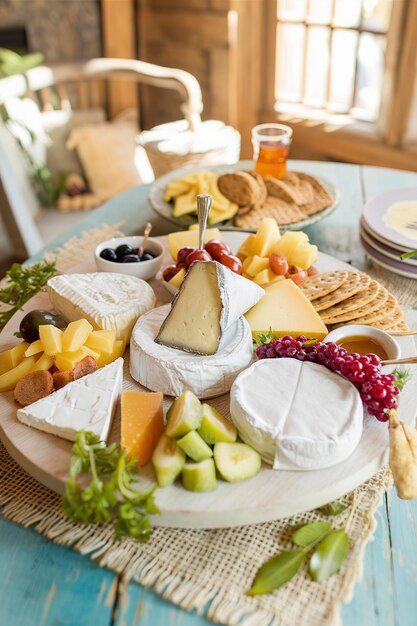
(29,326)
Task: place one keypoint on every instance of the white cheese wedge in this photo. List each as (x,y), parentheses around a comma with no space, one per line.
(87,403)
(297,415)
(211,298)
(107,300)
(172,371)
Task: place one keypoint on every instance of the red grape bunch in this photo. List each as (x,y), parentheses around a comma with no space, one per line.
(376,389)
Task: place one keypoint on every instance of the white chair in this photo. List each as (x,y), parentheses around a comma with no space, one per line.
(81,83)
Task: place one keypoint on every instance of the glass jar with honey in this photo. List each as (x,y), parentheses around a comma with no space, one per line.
(271,144)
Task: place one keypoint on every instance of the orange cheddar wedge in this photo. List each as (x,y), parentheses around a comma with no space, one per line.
(142,423)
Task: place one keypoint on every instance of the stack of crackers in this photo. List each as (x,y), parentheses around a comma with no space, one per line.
(287,200)
(343,297)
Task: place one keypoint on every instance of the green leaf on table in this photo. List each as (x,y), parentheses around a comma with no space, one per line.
(311,533)
(333,508)
(276,572)
(329,555)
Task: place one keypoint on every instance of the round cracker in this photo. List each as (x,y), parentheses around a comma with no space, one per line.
(323,284)
(355,282)
(388,322)
(384,312)
(377,302)
(347,308)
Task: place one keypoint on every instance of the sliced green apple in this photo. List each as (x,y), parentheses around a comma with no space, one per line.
(214,427)
(195,447)
(184,415)
(199,476)
(236,461)
(167,460)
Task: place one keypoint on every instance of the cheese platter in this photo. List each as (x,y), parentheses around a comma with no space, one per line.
(315,464)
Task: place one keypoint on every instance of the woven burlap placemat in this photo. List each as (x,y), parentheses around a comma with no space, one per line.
(207,570)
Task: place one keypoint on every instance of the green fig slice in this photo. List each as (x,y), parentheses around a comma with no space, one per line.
(236,461)
(214,427)
(194,446)
(167,460)
(184,415)
(199,476)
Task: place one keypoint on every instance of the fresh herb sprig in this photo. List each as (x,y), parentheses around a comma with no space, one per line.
(111,494)
(21,284)
(327,547)
(408,255)
(401,378)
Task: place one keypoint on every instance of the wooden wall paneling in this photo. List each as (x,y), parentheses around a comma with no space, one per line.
(248,69)
(392,56)
(405,77)
(193,36)
(119,40)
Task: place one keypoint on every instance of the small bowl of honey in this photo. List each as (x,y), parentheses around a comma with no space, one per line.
(365,340)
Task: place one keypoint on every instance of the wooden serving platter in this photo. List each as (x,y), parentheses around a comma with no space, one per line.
(269,495)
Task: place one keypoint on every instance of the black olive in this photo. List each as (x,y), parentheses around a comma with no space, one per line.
(130,258)
(123,250)
(147,256)
(29,326)
(109,254)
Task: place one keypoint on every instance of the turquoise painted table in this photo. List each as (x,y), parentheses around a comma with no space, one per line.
(42,583)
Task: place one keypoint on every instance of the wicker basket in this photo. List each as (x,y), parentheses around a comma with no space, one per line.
(175,145)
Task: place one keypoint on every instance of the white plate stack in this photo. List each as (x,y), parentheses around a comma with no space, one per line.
(388,229)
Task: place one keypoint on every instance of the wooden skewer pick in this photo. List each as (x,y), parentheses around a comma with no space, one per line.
(146,234)
(403,457)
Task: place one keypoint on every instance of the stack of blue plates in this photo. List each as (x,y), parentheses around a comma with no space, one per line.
(388,228)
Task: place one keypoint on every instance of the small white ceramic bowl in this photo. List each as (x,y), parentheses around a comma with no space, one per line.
(389,344)
(145,269)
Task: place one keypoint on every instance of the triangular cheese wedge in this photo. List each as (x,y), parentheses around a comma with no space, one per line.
(87,403)
(211,298)
(287,311)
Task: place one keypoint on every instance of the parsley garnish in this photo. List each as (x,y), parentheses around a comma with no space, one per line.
(111,494)
(21,284)
(402,377)
(265,337)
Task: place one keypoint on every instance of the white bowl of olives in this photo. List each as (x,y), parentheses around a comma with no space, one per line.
(121,255)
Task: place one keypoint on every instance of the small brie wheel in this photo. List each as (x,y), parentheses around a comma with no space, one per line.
(172,371)
(297,415)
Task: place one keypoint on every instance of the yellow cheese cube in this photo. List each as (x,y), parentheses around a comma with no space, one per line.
(286,310)
(90,352)
(75,335)
(101,340)
(304,255)
(9,380)
(185,203)
(256,265)
(18,353)
(245,249)
(288,242)
(266,277)
(108,357)
(6,362)
(34,348)
(67,360)
(45,362)
(178,278)
(266,237)
(179,240)
(51,338)
(221,215)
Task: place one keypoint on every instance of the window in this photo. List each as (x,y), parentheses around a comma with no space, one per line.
(330,55)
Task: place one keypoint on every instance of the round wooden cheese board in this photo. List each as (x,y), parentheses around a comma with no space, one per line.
(269,495)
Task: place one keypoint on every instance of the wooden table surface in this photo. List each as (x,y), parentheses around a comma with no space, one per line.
(46,584)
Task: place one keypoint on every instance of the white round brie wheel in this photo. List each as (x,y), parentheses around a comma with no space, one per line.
(297,415)
(173,371)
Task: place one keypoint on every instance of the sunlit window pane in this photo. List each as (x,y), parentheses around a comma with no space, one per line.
(290,61)
(377,14)
(320,11)
(343,69)
(347,13)
(370,72)
(292,9)
(317,64)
